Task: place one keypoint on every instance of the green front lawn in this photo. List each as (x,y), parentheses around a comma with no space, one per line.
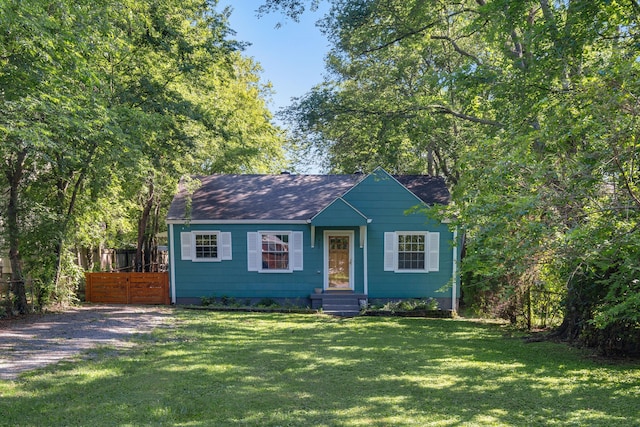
(216,369)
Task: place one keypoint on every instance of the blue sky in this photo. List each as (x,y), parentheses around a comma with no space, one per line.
(292,56)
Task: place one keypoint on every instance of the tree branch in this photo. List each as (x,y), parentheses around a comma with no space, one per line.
(400,37)
(413,32)
(446,110)
(627,181)
(458,49)
(411,112)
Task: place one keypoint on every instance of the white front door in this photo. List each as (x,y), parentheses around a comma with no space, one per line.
(338,260)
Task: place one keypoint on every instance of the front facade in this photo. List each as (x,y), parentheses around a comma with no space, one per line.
(293,236)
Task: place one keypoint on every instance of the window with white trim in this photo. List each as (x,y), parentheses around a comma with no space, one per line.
(274,251)
(205,246)
(411,251)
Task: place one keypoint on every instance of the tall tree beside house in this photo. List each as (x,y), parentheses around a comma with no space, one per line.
(563,164)
(98,105)
(530,108)
(201,105)
(47,114)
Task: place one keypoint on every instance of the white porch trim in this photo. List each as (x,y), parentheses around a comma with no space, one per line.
(454,270)
(365,256)
(172,264)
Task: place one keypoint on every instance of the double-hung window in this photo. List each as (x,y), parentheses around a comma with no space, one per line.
(274,251)
(205,246)
(411,251)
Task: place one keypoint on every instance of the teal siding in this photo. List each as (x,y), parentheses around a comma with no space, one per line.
(386,201)
(232,278)
(338,214)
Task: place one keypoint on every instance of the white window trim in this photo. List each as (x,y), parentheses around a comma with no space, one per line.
(431,248)
(188,245)
(254,251)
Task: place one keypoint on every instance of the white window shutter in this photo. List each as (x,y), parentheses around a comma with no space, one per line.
(297,240)
(390,251)
(433,251)
(254,251)
(225,245)
(186,245)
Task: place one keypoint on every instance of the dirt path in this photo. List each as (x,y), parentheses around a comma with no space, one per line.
(37,341)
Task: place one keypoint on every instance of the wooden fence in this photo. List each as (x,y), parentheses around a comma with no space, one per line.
(128,288)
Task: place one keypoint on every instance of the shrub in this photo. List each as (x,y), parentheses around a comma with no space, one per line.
(228,301)
(267,303)
(428,304)
(206,301)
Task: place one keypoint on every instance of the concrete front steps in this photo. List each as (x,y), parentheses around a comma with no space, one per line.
(338,303)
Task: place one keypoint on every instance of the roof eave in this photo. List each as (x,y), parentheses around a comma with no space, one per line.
(237,221)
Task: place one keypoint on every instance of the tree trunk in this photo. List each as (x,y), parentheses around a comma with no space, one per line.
(142,228)
(17,287)
(576,314)
(151,244)
(66,215)
(430,162)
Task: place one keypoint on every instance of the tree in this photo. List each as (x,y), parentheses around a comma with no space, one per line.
(529,107)
(35,95)
(114,101)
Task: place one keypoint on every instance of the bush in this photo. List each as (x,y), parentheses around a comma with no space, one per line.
(228,301)
(223,301)
(422,304)
(206,301)
(267,303)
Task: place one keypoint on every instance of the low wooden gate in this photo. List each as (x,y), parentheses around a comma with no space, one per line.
(127,288)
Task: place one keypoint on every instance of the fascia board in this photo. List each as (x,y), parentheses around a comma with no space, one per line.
(237,221)
(346,203)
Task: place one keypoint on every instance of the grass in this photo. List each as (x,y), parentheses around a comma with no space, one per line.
(259,369)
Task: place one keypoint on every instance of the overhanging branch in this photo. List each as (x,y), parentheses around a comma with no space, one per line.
(458,49)
(414,32)
(411,112)
(446,110)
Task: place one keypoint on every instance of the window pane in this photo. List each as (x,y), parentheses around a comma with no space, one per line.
(411,252)
(275,251)
(206,246)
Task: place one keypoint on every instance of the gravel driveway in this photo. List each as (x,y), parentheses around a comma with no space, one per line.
(39,340)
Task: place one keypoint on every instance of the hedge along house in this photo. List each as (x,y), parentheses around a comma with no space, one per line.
(331,241)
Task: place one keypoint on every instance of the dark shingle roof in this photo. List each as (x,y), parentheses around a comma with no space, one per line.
(282,197)
(430,189)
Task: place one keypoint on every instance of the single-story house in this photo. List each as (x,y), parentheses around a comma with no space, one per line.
(308,238)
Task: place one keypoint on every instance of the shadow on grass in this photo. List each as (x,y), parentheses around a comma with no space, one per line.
(273,369)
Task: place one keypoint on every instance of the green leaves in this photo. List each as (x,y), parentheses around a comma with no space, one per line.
(530,109)
(102,101)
